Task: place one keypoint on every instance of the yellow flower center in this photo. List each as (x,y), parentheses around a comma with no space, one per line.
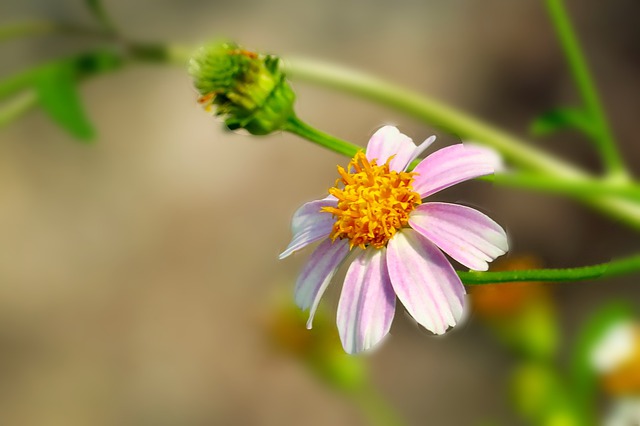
(373,204)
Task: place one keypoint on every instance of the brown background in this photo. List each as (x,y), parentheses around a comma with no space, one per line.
(135,273)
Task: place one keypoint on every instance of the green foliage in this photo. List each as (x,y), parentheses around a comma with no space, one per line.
(58,96)
(561,119)
(540,397)
(532,332)
(56,88)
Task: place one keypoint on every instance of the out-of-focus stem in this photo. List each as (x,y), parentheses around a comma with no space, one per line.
(429,110)
(580,71)
(575,187)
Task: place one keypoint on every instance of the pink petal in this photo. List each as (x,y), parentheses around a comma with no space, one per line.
(451,165)
(470,237)
(367,303)
(424,281)
(309,224)
(388,141)
(317,273)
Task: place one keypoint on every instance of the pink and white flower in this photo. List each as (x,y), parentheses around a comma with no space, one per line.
(377,212)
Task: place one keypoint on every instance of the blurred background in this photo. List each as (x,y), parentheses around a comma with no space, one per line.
(139,274)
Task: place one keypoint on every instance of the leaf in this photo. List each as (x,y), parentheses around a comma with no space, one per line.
(561,119)
(539,395)
(54,85)
(58,95)
(18,82)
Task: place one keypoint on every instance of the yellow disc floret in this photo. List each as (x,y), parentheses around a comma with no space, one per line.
(373,202)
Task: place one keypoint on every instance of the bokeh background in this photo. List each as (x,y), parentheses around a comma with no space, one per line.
(137,274)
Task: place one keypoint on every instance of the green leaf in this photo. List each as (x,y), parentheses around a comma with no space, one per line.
(540,396)
(584,378)
(561,119)
(18,82)
(58,95)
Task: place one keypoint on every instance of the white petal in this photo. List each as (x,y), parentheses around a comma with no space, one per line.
(367,303)
(309,224)
(467,235)
(424,281)
(388,141)
(317,273)
(420,149)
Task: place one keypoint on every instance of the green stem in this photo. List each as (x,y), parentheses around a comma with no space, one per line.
(431,111)
(605,270)
(587,89)
(572,187)
(302,129)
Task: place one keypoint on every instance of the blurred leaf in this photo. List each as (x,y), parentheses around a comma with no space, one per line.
(18,82)
(96,62)
(55,87)
(16,107)
(563,118)
(532,331)
(539,395)
(584,380)
(58,95)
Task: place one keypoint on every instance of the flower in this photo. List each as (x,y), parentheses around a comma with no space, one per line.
(376,211)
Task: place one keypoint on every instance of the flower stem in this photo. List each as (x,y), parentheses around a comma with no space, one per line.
(302,129)
(573,187)
(604,270)
(429,110)
(580,71)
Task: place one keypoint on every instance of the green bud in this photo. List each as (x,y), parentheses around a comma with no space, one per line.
(247,89)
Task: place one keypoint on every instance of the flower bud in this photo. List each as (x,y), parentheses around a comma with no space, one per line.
(247,89)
